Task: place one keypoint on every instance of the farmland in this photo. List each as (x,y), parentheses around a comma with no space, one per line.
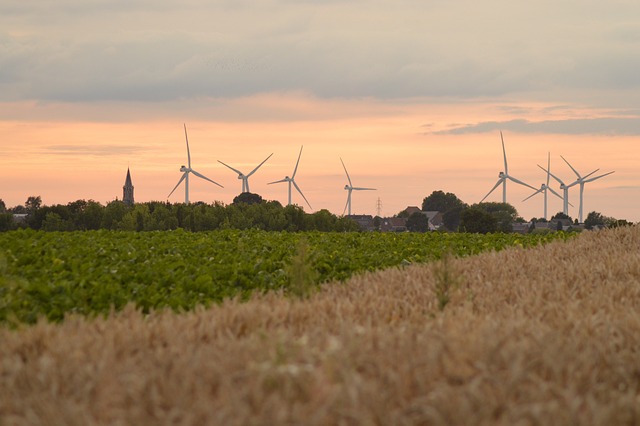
(544,334)
(52,274)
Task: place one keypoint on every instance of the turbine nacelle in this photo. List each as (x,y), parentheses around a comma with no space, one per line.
(183,168)
(501,175)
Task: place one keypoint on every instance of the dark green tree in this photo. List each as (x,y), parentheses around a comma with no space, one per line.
(451,218)
(594,219)
(6,222)
(418,222)
(439,201)
(477,220)
(504,213)
(248,198)
(33,203)
(448,204)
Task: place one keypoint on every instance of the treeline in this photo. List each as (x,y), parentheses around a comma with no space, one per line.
(151,216)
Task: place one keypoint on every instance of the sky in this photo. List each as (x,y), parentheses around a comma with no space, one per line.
(411,94)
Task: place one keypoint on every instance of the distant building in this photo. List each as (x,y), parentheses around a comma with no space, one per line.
(394,224)
(127,190)
(364,220)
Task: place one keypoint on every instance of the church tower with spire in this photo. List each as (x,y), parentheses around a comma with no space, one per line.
(127,190)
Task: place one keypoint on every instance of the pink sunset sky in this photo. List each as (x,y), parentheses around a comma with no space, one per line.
(411,95)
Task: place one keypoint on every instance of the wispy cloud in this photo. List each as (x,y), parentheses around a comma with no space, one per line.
(96,150)
(581,126)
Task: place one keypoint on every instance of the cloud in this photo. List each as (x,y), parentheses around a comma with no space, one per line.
(140,50)
(582,126)
(96,150)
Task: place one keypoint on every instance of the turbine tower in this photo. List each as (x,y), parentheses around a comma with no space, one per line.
(245,178)
(565,191)
(545,187)
(504,176)
(185,173)
(291,181)
(350,188)
(581,181)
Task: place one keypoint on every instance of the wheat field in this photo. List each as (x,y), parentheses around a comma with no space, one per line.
(548,336)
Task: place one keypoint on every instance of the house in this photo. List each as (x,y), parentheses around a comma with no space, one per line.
(521,228)
(364,220)
(20,217)
(394,224)
(435,220)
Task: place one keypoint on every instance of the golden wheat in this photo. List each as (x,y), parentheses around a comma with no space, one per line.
(549,335)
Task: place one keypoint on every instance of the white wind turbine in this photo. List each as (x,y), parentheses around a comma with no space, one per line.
(565,191)
(185,173)
(350,188)
(291,181)
(245,178)
(581,181)
(503,176)
(545,187)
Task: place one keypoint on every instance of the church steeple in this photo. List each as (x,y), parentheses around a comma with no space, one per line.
(127,190)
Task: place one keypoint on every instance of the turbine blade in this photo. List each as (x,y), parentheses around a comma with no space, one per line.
(345,170)
(493,189)
(297,162)
(519,182)
(552,175)
(554,193)
(345,206)
(574,170)
(205,178)
(534,194)
(504,152)
(254,170)
(598,177)
(548,167)
(235,170)
(584,177)
(278,181)
(300,191)
(364,189)
(188,152)
(184,175)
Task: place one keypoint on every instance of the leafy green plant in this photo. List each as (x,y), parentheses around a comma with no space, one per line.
(51,274)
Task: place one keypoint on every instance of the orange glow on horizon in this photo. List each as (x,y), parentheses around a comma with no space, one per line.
(393,147)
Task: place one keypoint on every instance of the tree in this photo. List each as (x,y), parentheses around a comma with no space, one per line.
(439,201)
(504,213)
(248,198)
(33,203)
(448,204)
(561,215)
(477,220)
(594,219)
(6,222)
(451,218)
(3,206)
(418,222)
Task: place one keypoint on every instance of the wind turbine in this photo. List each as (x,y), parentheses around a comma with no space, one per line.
(291,181)
(544,187)
(503,176)
(350,188)
(565,189)
(581,181)
(245,178)
(185,173)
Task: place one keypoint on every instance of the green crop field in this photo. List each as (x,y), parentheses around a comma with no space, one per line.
(51,274)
